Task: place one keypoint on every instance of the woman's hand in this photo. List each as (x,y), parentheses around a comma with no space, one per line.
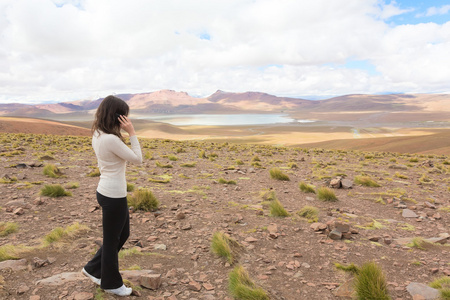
(126,125)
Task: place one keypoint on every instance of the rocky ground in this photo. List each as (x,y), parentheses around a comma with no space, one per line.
(288,257)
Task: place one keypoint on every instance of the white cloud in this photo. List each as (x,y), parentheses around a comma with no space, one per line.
(443,10)
(65,50)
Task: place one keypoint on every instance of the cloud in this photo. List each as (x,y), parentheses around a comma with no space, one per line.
(64,50)
(443,10)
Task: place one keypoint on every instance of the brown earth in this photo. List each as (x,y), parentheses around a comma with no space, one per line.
(294,263)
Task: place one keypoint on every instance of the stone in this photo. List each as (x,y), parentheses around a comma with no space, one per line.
(341,227)
(160,247)
(14,264)
(22,289)
(335,235)
(187,227)
(194,286)
(407,213)
(150,281)
(375,238)
(60,279)
(345,290)
(251,239)
(180,216)
(335,183)
(428,293)
(318,226)
(430,205)
(35,297)
(135,275)
(346,184)
(82,296)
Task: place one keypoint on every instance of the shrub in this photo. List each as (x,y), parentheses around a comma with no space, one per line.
(130,187)
(54,190)
(443,285)
(173,158)
(60,233)
(255,158)
(143,199)
(8,252)
(326,194)
(370,283)
(225,246)
(224,181)
(239,162)
(267,195)
(189,165)
(292,165)
(241,286)
(277,174)
(310,213)
(306,188)
(7,228)
(277,209)
(72,185)
(158,164)
(366,181)
(94,173)
(51,170)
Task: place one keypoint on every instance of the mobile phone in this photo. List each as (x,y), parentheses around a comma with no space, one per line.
(117,116)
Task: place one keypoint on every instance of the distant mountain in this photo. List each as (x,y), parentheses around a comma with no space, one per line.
(172,102)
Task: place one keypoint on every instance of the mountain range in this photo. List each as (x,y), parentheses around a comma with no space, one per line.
(173,102)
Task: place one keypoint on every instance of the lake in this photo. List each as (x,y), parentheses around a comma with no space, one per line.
(222,120)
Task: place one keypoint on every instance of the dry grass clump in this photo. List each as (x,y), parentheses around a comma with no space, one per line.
(72,185)
(425,179)
(268,195)
(143,199)
(242,287)
(168,166)
(189,165)
(54,190)
(130,187)
(366,181)
(94,173)
(443,285)
(225,246)
(370,283)
(277,209)
(277,174)
(60,233)
(6,228)
(52,171)
(326,194)
(306,188)
(310,213)
(351,268)
(419,243)
(239,162)
(224,181)
(172,158)
(8,252)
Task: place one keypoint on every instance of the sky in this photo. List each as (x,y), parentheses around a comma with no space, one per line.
(64,50)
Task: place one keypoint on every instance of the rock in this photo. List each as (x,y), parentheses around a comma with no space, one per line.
(60,279)
(335,235)
(429,205)
(19,211)
(82,296)
(318,226)
(187,227)
(398,167)
(428,293)
(442,239)
(39,263)
(346,184)
(14,264)
(22,289)
(341,227)
(160,247)
(345,290)
(35,297)
(374,238)
(335,183)
(150,281)
(251,239)
(407,213)
(135,275)
(180,216)
(194,286)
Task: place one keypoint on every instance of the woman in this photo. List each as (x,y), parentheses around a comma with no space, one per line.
(112,154)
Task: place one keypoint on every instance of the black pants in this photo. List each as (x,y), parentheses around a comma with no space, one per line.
(116,230)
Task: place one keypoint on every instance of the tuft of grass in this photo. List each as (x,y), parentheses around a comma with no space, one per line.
(72,185)
(425,179)
(172,158)
(224,181)
(162,180)
(148,155)
(418,243)
(99,294)
(351,268)
(401,176)
(277,209)
(239,162)
(292,165)
(54,190)
(225,246)
(51,170)
(168,166)
(202,154)
(189,165)
(372,225)
(256,158)
(242,287)
(268,195)
(326,194)
(276,173)
(60,233)
(8,252)
(366,181)
(306,188)
(310,213)
(130,187)
(443,285)
(94,173)
(143,199)
(370,283)
(7,228)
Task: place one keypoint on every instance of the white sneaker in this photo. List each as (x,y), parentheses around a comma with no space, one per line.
(94,279)
(122,291)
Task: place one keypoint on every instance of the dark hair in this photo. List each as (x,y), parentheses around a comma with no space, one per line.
(105,117)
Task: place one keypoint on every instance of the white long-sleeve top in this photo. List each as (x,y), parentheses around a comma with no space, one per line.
(112,154)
